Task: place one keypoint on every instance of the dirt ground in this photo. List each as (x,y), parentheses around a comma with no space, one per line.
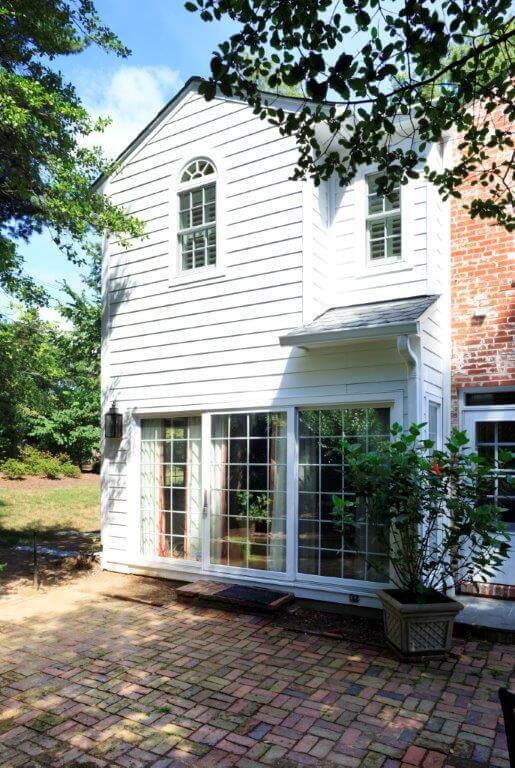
(77,586)
(17,577)
(43,483)
(63,587)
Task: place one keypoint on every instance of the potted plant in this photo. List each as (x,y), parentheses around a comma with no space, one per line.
(439,523)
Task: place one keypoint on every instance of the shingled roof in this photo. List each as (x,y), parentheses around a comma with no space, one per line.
(361,321)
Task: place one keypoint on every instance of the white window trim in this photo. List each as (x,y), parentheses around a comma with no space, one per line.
(366,268)
(290,577)
(495,409)
(431,400)
(182,278)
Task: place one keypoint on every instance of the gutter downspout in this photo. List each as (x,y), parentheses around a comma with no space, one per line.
(412,358)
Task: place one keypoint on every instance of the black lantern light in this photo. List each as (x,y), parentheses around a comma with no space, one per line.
(113,423)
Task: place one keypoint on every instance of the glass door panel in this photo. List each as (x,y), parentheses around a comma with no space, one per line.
(248,491)
(360,552)
(492,439)
(171,496)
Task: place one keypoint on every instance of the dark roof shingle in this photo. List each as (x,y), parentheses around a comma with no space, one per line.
(362,317)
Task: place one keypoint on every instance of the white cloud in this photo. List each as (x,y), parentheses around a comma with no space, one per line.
(131,97)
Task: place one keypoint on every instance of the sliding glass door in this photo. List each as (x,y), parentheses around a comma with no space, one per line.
(214,492)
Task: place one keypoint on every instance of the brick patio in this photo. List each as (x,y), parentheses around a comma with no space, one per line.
(112,683)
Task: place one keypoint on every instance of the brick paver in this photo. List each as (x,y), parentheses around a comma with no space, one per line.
(114,683)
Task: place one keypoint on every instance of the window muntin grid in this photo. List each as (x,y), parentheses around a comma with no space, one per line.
(197,169)
(492,437)
(248,491)
(360,552)
(384,241)
(171,496)
(197,217)
(197,227)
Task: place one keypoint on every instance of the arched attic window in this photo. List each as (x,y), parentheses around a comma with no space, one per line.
(197,216)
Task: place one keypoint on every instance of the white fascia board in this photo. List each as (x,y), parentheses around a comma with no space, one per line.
(327,338)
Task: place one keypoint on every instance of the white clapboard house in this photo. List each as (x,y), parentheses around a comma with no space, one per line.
(260,320)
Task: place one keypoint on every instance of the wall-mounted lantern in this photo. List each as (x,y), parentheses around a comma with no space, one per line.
(113,423)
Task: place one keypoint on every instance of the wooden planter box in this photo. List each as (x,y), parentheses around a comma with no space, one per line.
(418,629)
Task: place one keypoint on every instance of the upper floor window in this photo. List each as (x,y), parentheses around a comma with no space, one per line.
(197,216)
(383,223)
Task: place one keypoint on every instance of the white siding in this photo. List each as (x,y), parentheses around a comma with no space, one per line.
(436,328)
(203,344)
(320,242)
(353,280)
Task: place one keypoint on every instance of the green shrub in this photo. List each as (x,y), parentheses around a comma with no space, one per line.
(70,470)
(431,511)
(13,469)
(43,464)
(50,467)
(34,460)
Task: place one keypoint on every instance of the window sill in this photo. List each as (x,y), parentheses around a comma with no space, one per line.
(196,278)
(379,269)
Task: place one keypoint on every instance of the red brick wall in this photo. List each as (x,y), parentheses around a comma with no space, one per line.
(482,277)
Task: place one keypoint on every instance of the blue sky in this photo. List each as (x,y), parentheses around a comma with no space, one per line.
(168,45)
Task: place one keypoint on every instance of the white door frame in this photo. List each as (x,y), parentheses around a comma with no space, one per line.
(469,416)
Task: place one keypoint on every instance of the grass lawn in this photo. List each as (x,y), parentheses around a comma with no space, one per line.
(48,506)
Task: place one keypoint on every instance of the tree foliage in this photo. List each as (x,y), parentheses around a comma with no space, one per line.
(50,377)
(46,171)
(29,363)
(418,69)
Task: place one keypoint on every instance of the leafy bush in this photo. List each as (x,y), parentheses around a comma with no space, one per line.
(42,464)
(34,460)
(51,468)
(434,509)
(13,469)
(70,470)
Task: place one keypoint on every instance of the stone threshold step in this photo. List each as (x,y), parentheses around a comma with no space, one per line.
(234,594)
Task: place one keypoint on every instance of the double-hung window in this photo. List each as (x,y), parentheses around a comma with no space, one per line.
(383,223)
(197,216)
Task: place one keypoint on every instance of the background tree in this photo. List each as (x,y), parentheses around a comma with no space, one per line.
(46,171)
(72,422)
(49,377)
(417,68)
(29,366)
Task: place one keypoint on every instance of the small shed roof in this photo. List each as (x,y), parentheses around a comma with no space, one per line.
(361,321)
